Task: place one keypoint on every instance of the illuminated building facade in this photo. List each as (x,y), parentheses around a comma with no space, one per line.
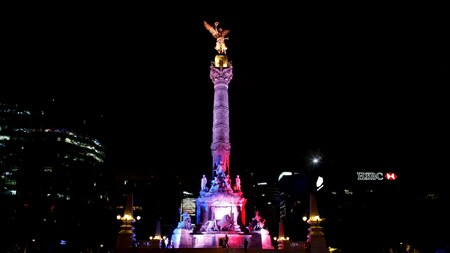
(50,178)
(294,203)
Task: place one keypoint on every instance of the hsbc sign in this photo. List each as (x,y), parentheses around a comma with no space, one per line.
(376,176)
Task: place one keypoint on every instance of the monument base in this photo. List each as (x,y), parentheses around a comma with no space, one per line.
(182,238)
(261,239)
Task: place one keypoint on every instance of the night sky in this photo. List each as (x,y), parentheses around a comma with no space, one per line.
(363,85)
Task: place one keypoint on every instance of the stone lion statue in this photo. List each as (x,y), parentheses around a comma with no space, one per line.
(226,223)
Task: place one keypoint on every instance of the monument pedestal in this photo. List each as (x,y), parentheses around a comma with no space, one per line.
(261,239)
(316,240)
(126,239)
(222,208)
(181,238)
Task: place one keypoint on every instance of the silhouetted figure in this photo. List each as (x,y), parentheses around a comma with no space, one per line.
(225,244)
(245,244)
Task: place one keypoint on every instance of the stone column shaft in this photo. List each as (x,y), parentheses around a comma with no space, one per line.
(220,146)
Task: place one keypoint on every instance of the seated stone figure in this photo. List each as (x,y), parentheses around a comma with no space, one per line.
(186,221)
(220,170)
(214,185)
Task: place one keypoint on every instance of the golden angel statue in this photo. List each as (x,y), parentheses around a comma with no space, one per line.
(219,34)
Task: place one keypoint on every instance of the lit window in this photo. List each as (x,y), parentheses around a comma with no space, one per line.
(4,138)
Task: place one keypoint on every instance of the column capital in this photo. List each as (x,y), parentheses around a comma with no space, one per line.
(221,77)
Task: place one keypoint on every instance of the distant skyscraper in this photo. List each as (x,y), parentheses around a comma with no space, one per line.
(48,176)
(47,162)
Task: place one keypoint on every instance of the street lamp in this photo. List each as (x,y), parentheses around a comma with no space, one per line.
(318,219)
(313,221)
(316,159)
(280,241)
(127,219)
(126,238)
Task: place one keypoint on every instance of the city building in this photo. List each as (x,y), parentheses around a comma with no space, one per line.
(53,180)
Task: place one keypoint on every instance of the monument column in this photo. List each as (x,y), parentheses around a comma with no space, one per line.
(221,73)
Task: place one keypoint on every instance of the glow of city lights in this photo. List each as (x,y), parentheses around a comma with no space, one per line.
(187,193)
(280,238)
(305,218)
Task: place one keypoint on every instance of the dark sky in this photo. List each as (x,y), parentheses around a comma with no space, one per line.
(364,85)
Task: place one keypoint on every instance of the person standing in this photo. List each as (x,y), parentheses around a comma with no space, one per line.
(225,245)
(245,244)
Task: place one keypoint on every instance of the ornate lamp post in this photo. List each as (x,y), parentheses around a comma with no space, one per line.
(316,238)
(126,239)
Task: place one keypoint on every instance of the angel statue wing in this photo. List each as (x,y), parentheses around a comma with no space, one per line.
(219,35)
(225,32)
(211,29)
